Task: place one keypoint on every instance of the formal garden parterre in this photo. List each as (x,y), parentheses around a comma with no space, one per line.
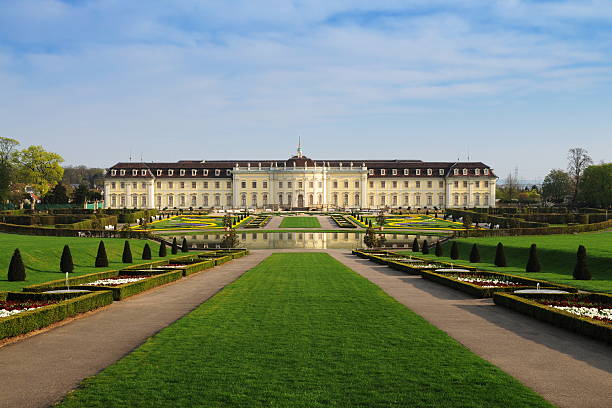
(193,222)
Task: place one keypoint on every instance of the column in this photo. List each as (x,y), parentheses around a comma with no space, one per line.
(107,202)
(448,198)
(492,192)
(235,185)
(151,195)
(363,203)
(128,194)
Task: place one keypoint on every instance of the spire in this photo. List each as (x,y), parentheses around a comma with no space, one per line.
(299,149)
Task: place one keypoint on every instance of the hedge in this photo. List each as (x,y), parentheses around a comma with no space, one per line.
(70,304)
(526,304)
(481,292)
(570,229)
(191,268)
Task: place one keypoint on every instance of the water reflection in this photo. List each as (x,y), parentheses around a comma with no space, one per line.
(307,240)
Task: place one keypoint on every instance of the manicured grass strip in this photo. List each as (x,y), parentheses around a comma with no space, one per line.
(300,222)
(302,330)
(557,255)
(41,256)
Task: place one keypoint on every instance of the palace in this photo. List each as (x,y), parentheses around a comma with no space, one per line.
(300,183)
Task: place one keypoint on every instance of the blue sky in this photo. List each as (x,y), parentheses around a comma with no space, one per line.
(514,83)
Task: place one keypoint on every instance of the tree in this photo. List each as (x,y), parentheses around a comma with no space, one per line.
(467,221)
(557,186)
(454,253)
(126,257)
(425,248)
(101,258)
(439,251)
(146,252)
(227,222)
(509,190)
(474,254)
(58,195)
(185,247)
(174,249)
(162,250)
(39,168)
(79,196)
(500,255)
(66,264)
(596,186)
(230,240)
(415,246)
(91,177)
(16,271)
(578,160)
(533,264)
(370,239)
(380,219)
(581,271)
(7,163)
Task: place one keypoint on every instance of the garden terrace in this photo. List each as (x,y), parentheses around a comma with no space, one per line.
(574,312)
(296,323)
(421,222)
(300,222)
(342,221)
(190,222)
(258,221)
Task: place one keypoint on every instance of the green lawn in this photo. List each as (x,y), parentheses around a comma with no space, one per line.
(300,222)
(302,330)
(557,255)
(41,256)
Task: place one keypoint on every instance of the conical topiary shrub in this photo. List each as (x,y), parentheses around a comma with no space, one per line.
(533,264)
(185,247)
(16,271)
(581,271)
(127,253)
(438,249)
(425,249)
(474,254)
(454,253)
(500,255)
(415,246)
(146,252)
(66,264)
(162,249)
(101,257)
(174,249)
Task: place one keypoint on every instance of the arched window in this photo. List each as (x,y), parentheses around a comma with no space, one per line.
(319,199)
(243,200)
(335,199)
(356,200)
(265,199)
(170,200)
(345,200)
(205,200)
(310,199)
(280,199)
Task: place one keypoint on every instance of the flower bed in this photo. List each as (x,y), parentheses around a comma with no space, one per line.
(13,307)
(258,221)
(341,221)
(46,309)
(588,314)
(116,281)
(483,284)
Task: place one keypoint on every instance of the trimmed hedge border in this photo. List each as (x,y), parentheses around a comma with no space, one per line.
(588,327)
(69,305)
(130,289)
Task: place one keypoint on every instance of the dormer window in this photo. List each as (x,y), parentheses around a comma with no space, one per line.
(159,172)
(418,172)
(441,172)
(228,172)
(143,172)
(465,172)
(394,171)
(477,172)
(429,172)
(206,172)
(217,172)
(456,172)
(134,172)
(194,172)
(371,172)
(382,172)
(170,172)
(182,172)
(406,172)
(122,172)
(486,172)
(113,172)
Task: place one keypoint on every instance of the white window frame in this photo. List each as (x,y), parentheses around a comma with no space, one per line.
(122,172)
(394,172)
(382,172)
(228,172)
(205,172)
(441,172)
(486,172)
(159,172)
(371,172)
(418,172)
(182,172)
(194,172)
(170,172)
(429,172)
(134,172)
(217,172)
(456,172)
(113,172)
(406,172)
(465,172)
(477,172)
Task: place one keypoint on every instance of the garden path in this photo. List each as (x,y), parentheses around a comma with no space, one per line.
(567,369)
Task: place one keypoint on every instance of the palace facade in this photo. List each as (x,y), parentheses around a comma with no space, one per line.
(300,183)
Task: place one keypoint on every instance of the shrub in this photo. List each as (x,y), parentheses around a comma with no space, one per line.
(438,249)
(185,247)
(425,248)
(174,249)
(101,257)
(474,254)
(66,264)
(146,252)
(162,249)
(16,271)
(127,253)
(581,271)
(415,246)
(533,264)
(454,253)
(500,255)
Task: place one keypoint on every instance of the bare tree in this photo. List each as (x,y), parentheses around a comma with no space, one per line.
(578,159)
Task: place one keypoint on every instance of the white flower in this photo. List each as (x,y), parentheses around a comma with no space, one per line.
(7,313)
(493,282)
(591,312)
(113,281)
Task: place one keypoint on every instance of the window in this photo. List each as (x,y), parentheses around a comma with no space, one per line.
(406,184)
(289,184)
(371,184)
(122,172)
(486,199)
(193,184)
(229,184)
(143,172)
(371,201)
(456,183)
(113,185)
(477,184)
(217,200)
(465,172)
(406,199)
(265,199)
(477,172)
(456,199)
(143,185)
(418,172)
(113,172)
(205,172)
(465,199)
(441,172)
(440,184)
(182,184)
(406,172)
(228,200)
(300,184)
(456,172)
(254,184)
(429,200)
(356,184)
(486,184)
(113,200)
(382,172)
(417,184)
(382,199)
(486,172)
(134,172)
(440,200)
(170,184)
(134,201)
(429,184)
(170,172)
(476,199)
(158,184)
(122,184)
(123,201)
(170,201)
(418,200)
(243,184)
(371,172)
(356,200)
(429,172)
(280,184)
(346,184)
(265,185)
(205,200)
(394,172)
(394,200)
(217,184)
(243,200)
(394,184)
(217,172)
(345,200)
(320,185)
(134,185)
(280,199)
(194,201)
(194,172)
(335,184)
(382,184)
(228,172)
(311,184)
(182,172)
(465,184)
(206,184)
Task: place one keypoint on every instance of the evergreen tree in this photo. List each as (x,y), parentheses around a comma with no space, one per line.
(127,253)
(101,257)
(581,271)
(500,255)
(474,254)
(66,264)
(16,271)
(454,253)
(370,238)
(146,252)
(174,249)
(415,246)
(425,248)
(185,247)
(162,249)
(533,264)
(438,249)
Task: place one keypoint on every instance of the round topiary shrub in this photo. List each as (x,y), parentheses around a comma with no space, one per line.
(415,246)
(162,249)
(185,247)
(454,252)
(146,252)
(16,271)
(533,264)
(474,254)
(500,255)
(438,249)
(127,253)
(101,257)
(581,271)
(174,249)
(66,264)
(425,249)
